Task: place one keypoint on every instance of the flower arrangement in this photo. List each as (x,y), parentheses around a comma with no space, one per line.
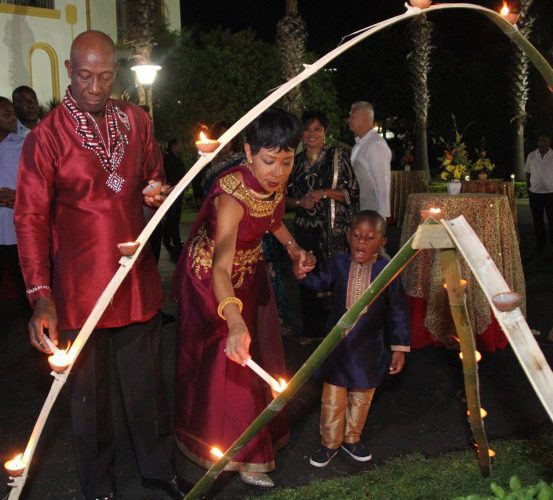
(483,164)
(455,162)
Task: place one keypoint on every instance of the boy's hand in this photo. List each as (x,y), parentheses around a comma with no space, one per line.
(398,362)
(303,263)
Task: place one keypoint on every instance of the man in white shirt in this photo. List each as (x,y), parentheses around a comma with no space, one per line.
(370,158)
(25,105)
(539,177)
(10,151)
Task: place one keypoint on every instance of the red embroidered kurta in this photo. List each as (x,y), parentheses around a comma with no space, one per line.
(66,214)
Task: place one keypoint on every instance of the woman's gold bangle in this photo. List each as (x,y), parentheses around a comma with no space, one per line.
(225,302)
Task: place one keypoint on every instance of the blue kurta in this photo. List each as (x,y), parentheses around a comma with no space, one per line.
(362,359)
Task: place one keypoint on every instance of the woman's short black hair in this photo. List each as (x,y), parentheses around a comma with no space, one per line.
(311,115)
(274,128)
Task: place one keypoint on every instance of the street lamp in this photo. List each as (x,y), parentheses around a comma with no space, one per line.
(146,74)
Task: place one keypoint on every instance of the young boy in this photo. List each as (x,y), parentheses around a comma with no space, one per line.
(360,361)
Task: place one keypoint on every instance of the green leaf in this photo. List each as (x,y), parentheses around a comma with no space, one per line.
(514,483)
(498,491)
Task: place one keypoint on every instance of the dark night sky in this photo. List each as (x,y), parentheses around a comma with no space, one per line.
(327,21)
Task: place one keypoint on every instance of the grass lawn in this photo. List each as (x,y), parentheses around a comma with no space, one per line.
(448,476)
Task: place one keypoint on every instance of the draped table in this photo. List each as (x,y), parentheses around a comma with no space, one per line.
(491,219)
(494,186)
(403,183)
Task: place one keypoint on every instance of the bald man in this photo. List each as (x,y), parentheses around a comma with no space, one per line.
(82,172)
(371,160)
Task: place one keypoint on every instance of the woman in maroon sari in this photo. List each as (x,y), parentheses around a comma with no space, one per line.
(227,312)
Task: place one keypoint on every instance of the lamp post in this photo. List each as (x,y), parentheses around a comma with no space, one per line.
(146,74)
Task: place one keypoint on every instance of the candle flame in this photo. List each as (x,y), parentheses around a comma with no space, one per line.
(483,413)
(462,282)
(216,452)
(477,354)
(16,464)
(203,137)
(61,357)
(280,385)
(504,9)
(491,453)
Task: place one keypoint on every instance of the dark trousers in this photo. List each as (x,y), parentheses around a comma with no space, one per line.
(315,306)
(540,204)
(9,260)
(171,228)
(136,350)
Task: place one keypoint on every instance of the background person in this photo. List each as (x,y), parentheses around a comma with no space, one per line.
(371,159)
(174,170)
(27,109)
(539,179)
(324,193)
(10,151)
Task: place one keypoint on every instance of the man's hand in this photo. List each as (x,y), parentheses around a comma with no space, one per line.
(7,197)
(44,316)
(156,200)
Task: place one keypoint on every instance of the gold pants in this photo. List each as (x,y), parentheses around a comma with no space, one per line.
(343,414)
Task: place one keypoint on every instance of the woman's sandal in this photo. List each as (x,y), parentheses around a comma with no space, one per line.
(257,479)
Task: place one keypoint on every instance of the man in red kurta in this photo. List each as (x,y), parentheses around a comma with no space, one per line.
(80,185)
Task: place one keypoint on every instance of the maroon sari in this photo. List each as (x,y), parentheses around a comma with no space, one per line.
(216,399)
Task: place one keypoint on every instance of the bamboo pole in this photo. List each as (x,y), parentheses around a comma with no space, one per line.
(340,330)
(451,267)
(126,263)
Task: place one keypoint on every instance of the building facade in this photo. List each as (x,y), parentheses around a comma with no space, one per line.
(38,35)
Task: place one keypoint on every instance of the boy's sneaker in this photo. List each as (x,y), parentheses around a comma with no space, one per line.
(357,451)
(322,456)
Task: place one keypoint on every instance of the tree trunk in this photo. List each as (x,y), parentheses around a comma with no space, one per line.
(419,65)
(518,149)
(421,146)
(291,37)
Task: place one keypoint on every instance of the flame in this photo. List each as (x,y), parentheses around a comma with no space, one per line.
(61,357)
(483,413)
(216,452)
(491,453)
(462,282)
(280,385)
(203,138)
(478,356)
(504,9)
(15,464)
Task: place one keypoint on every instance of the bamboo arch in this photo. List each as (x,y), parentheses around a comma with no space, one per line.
(127,262)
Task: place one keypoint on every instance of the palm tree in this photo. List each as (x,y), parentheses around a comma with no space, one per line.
(520,88)
(420,30)
(291,38)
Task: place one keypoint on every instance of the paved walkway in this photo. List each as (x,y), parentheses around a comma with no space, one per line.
(416,412)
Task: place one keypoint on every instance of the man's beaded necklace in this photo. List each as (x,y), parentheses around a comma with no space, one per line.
(110,155)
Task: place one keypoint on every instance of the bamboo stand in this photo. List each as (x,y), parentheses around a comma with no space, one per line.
(126,263)
(457,304)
